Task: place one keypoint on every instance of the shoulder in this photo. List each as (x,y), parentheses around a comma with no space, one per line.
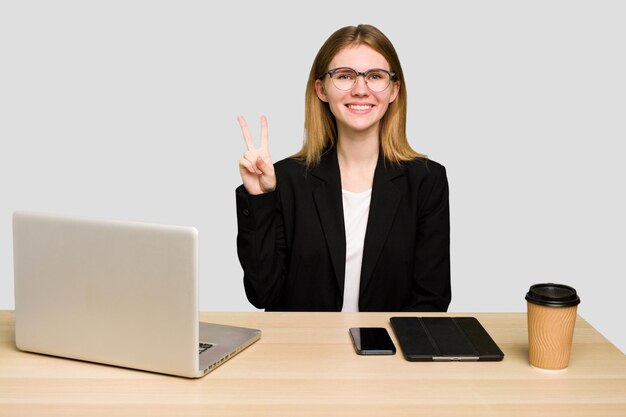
(424,168)
(291,174)
(290,166)
(428,181)
(424,177)
(290,163)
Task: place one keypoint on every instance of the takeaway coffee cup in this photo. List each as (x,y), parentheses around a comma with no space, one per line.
(551,319)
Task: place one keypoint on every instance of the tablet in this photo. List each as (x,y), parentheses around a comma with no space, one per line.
(444,339)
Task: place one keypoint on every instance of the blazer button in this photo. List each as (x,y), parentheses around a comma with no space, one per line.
(245,212)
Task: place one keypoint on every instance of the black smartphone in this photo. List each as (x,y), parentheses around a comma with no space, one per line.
(372,341)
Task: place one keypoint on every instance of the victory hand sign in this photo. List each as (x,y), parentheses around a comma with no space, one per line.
(256,168)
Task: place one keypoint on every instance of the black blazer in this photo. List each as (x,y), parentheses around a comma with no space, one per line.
(291,242)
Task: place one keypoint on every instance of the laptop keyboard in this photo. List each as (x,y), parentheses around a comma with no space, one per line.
(205,346)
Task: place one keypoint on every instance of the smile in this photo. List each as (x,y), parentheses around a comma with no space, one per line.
(360,107)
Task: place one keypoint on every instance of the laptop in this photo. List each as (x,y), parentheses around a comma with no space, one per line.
(444,339)
(115,292)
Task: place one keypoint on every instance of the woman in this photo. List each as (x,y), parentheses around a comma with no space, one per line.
(356,220)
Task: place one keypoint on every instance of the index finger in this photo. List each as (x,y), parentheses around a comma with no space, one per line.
(246,132)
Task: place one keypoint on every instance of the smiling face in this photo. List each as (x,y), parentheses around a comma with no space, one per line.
(358,110)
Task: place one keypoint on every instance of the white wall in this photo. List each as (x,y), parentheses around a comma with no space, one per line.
(127,110)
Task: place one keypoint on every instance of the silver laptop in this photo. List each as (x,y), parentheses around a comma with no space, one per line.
(113,292)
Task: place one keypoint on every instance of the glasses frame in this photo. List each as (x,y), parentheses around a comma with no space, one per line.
(331,72)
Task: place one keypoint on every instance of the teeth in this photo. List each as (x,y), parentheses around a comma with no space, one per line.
(360,107)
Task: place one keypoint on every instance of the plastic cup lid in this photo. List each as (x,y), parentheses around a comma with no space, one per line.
(552,295)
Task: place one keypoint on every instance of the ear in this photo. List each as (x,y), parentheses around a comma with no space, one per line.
(394,93)
(321,92)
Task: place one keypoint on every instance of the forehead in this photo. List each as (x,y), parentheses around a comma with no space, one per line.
(360,57)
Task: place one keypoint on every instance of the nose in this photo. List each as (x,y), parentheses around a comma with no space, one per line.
(360,86)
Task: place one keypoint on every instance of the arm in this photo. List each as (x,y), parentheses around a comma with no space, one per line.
(431,276)
(260,237)
(261,246)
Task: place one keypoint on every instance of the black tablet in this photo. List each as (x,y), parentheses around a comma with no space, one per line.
(444,339)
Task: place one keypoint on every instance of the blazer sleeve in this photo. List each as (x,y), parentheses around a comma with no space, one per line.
(431,277)
(260,246)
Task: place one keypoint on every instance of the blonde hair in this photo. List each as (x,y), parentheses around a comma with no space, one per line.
(320,126)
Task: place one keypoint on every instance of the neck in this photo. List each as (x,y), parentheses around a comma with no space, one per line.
(357,162)
(360,150)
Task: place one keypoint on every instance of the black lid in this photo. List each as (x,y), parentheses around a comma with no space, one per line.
(552,295)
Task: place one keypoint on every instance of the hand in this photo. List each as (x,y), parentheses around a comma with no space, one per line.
(256,168)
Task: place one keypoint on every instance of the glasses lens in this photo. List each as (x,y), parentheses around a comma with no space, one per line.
(344,78)
(377,80)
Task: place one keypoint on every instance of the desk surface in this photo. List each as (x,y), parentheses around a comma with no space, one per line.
(305,365)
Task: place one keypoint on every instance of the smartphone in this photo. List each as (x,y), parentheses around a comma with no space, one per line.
(372,341)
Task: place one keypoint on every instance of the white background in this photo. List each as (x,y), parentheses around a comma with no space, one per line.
(127,110)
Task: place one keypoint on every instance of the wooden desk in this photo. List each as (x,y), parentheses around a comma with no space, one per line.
(305,365)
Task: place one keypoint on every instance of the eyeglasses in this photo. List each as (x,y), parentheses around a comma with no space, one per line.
(376,79)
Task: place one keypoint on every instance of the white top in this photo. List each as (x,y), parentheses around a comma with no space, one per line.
(356,208)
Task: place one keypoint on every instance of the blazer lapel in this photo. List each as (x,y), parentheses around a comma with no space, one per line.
(383,206)
(329,204)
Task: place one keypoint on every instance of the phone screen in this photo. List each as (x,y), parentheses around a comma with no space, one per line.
(372,341)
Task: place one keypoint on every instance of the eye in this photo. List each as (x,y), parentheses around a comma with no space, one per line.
(344,75)
(377,75)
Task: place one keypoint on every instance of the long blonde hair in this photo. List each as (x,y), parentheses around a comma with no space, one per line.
(320,126)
